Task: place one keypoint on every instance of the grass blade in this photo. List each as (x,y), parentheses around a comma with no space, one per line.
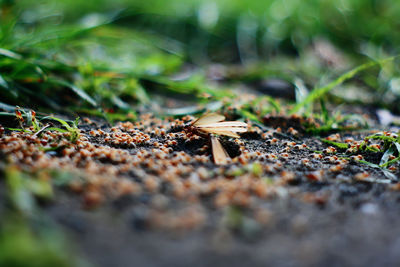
(10,54)
(386,155)
(78,91)
(336,144)
(319,92)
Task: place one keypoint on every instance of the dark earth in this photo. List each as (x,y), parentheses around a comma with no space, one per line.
(278,203)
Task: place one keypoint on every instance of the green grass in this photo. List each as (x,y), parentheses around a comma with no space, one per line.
(336,144)
(112,58)
(24,246)
(318,93)
(390,147)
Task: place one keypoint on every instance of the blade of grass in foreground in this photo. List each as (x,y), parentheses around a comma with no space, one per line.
(80,92)
(319,92)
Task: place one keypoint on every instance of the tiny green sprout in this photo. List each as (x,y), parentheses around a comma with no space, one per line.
(30,119)
(19,116)
(74,132)
(35,123)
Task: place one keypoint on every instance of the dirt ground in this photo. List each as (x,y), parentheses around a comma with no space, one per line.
(148,194)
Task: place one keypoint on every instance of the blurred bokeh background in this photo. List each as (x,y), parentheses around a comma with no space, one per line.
(228,31)
(117,54)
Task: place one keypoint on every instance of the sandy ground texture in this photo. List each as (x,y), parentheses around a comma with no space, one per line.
(149,194)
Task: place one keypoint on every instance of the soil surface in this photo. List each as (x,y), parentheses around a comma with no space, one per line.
(149,194)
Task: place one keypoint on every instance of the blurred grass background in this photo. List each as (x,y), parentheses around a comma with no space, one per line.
(271,27)
(109,58)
